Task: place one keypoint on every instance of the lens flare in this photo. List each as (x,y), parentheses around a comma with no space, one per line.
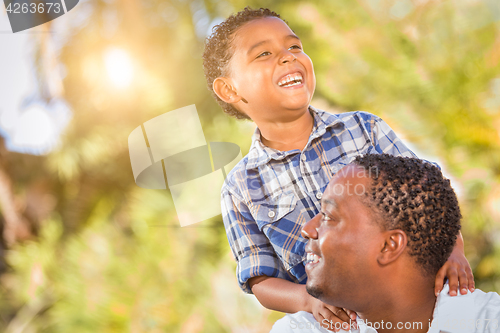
(119,66)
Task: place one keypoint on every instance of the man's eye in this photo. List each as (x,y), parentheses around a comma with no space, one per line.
(325,217)
(263,53)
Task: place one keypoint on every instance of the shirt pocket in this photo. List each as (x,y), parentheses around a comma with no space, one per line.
(279,219)
(274,209)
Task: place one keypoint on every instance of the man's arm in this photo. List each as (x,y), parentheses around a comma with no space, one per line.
(285,296)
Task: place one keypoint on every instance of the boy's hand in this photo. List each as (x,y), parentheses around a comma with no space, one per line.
(331,317)
(457,270)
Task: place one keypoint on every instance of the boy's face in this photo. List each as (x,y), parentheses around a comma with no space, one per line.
(266,54)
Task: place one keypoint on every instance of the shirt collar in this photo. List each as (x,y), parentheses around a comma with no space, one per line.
(260,154)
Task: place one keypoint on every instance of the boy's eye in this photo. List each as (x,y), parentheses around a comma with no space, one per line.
(267,53)
(263,53)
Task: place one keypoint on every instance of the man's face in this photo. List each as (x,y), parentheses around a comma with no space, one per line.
(345,241)
(266,52)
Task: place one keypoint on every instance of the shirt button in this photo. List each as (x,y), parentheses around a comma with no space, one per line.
(319,195)
(303,157)
(270,214)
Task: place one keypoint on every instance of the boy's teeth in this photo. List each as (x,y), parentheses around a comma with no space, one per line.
(290,80)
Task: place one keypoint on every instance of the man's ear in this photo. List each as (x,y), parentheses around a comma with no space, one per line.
(394,244)
(225,91)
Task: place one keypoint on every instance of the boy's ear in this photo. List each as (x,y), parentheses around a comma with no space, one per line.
(394,244)
(225,90)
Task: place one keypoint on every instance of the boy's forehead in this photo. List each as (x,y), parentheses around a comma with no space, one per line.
(261,29)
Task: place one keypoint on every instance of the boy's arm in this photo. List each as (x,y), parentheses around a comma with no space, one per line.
(285,296)
(457,269)
(251,248)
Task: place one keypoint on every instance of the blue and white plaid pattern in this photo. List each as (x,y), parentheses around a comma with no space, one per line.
(270,194)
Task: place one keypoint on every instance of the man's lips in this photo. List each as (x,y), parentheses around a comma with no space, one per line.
(312,258)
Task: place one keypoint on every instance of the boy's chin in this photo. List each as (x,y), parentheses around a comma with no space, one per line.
(298,101)
(299,106)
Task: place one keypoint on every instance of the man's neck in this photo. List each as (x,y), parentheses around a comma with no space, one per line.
(287,135)
(409,313)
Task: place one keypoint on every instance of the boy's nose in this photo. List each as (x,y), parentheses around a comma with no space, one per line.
(287,57)
(310,229)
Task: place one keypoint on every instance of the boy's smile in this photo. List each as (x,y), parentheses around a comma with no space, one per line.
(270,70)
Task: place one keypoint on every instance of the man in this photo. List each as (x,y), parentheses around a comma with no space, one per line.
(386,225)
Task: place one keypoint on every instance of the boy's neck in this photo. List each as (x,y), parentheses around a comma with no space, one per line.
(290,135)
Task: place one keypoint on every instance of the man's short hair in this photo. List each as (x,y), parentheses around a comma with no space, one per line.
(412,195)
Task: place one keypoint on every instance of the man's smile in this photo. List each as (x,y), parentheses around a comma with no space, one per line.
(312,259)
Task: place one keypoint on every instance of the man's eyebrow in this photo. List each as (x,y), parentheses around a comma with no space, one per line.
(267,41)
(329,202)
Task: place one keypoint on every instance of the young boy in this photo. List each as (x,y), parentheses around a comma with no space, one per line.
(256,68)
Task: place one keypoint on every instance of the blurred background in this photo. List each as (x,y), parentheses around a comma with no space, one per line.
(84,249)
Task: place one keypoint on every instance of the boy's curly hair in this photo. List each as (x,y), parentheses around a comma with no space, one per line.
(218,51)
(412,195)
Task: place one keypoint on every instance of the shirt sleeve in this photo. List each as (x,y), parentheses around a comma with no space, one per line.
(251,248)
(387,142)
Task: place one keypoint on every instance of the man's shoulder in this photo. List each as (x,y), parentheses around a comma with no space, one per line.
(487,303)
(479,299)
(479,307)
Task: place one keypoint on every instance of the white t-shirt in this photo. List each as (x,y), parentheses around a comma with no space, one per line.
(474,312)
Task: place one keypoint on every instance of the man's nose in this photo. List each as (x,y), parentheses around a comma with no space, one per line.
(310,229)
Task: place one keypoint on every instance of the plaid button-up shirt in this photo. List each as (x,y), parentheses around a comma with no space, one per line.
(270,194)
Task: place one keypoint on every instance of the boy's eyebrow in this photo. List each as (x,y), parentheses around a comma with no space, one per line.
(267,41)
